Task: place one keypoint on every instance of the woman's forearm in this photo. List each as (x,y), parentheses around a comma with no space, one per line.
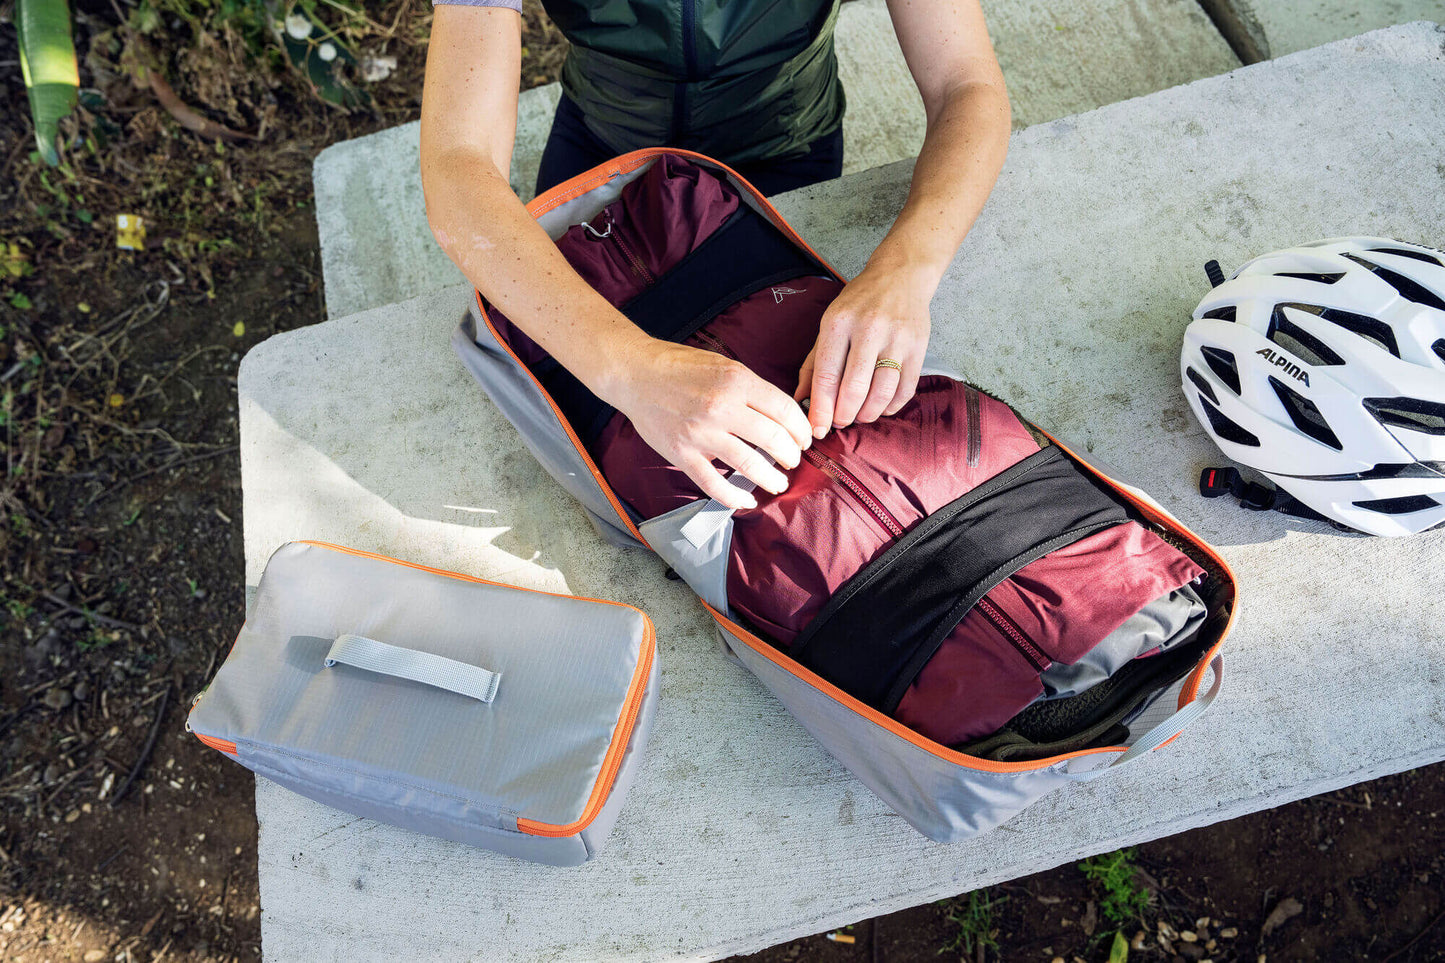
(962,154)
(486,231)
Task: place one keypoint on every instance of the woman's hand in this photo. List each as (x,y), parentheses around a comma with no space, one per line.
(693,406)
(880,314)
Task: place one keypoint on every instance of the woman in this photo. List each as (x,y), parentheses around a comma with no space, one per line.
(754,84)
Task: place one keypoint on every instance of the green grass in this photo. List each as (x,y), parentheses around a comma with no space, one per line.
(973,914)
(1123,897)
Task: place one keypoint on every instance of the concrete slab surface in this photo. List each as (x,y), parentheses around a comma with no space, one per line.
(1274,28)
(1058,58)
(1069,298)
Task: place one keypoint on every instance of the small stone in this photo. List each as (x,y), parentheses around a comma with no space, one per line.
(52,774)
(1228,933)
(1057,959)
(1201,923)
(94,956)
(1166,944)
(56,698)
(1191,951)
(72,816)
(1137,943)
(1189,936)
(1166,930)
(82,690)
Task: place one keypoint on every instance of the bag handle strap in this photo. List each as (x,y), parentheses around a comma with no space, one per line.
(436,670)
(1161,733)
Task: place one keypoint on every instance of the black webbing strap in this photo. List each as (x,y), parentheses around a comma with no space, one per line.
(745,254)
(878,631)
(1214,482)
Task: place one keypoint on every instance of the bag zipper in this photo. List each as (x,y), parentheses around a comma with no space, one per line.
(715,343)
(1014,634)
(858,490)
(632,259)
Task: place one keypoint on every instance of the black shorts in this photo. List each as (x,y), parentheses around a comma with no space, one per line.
(572,148)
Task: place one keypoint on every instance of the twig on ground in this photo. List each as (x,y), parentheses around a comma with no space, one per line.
(93,616)
(145,752)
(177,463)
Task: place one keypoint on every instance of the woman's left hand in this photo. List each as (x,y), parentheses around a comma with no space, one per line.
(881,314)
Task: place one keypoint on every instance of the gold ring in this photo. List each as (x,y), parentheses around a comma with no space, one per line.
(888,363)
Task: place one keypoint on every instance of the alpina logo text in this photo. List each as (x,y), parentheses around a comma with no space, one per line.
(1290,368)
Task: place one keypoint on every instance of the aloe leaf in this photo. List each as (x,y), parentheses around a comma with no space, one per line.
(47,62)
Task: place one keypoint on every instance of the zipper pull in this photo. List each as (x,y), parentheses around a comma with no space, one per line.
(594,232)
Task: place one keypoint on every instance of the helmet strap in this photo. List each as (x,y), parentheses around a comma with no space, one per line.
(1214,482)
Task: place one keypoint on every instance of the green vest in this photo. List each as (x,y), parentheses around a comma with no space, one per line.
(738,80)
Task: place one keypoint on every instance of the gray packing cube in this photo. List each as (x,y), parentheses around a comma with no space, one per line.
(506,718)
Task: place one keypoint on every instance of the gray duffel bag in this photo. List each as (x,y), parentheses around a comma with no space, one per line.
(479,712)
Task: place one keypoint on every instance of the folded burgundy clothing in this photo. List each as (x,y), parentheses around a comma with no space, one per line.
(864,491)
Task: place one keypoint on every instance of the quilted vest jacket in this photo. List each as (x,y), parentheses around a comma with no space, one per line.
(741,81)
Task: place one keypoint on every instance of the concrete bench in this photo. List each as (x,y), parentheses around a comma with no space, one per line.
(1260,29)
(1069,298)
(1059,58)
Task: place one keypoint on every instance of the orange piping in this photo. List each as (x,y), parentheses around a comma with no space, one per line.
(612,762)
(223,745)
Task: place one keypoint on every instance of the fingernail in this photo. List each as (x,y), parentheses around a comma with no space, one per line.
(750,502)
(820,431)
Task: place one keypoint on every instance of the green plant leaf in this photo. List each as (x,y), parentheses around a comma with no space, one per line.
(1119,952)
(47,62)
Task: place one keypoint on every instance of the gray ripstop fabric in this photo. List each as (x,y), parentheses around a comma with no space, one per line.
(580,675)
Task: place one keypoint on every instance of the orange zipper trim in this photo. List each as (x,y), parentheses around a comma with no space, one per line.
(229,748)
(621,735)
(612,762)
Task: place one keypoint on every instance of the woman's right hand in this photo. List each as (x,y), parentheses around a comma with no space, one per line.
(693,406)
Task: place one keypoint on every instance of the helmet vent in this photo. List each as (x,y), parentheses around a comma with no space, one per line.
(1411,413)
(1222,363)
(1371,329)
(1201,383)
(1408,289)
(1220,314)
(1303,276)
(1299,342)
(1305,415)
(1401,252)
(1399,506)
(1226,429)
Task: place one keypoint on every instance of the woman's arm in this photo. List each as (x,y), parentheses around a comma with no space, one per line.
(690,405)
(883,312)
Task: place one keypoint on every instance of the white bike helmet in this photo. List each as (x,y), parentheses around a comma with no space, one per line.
(1323,367)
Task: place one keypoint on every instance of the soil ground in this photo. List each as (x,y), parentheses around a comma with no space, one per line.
(123,838)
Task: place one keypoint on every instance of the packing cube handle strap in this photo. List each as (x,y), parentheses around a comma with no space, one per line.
(437,670)
(1165,730)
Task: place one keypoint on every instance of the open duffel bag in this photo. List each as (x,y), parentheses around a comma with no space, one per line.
(963,611)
